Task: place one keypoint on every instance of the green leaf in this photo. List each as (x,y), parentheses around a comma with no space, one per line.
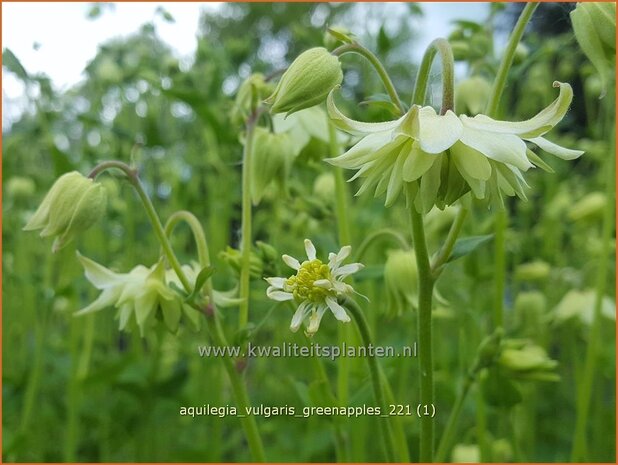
(468,245)
(201,279)
(346,39)
(10,62)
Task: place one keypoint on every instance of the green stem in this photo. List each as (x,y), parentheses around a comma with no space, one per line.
(393,451)
(245,238)
(499,267)
(425,349)
(442,47)
(343,227)
(449,243)
(579,452)
(507,59)
(196,230)
(133,178)
(376,236)
(448,434)
(384,77)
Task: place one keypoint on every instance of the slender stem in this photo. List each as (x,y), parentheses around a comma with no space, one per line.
(449,243)
(150,211)
(442,47)
(500,226)
(386,80)
(425,348)
(390,445)
(448,434)
(343,228)
(376,236)
(507,58)
(196,230)
(245,238)
(579,452)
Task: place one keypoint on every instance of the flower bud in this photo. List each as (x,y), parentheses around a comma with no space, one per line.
(306,82)
(530,308)
(532,271)
(19,187)
(233,257)
(401,281)
(324,187)
(271,157)
(466,453)
(589,207)
(594,24)
(249,94)
(471,95)
(73,204)
(527,361)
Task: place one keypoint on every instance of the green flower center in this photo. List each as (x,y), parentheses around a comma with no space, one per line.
(301,284)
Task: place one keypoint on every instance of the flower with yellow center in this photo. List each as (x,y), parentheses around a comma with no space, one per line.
(316,286)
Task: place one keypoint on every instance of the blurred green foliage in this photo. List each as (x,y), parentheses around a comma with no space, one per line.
(76,389)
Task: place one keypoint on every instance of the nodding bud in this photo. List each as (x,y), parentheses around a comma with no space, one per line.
(272,155)
(594,24)
(306,82)
(72,205)
(401,281)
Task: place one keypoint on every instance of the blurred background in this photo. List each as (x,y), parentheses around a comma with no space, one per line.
(155,84)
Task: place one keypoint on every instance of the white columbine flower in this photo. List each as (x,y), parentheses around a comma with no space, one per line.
(315,287)
(137,295)
(448,155)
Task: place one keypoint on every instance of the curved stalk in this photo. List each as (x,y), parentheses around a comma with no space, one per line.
(442,47)
(377,235)
(449,243)
(384,77)
(196,230)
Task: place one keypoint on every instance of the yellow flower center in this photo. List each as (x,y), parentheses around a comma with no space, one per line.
(301,284)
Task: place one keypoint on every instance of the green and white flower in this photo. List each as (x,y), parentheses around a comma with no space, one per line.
(138,295)
(448,155)
(315,287)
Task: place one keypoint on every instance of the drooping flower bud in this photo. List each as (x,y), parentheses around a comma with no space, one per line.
(401,281)
(73,204)
(251,91)
(271,156)
(471,95)
(594,24)
(306,82)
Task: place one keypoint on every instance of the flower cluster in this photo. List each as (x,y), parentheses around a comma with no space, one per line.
(445,156)
(315,287)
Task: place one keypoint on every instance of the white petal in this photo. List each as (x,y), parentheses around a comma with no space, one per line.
(310,249)
(337,310)
(291,262)
(299,316)
(347,270)
(505,148)
(124,314)
(555,149)
(430,185)
(438,132)
(470,162)
(352,126)
(417,163)
(278,295)
(107,298)
(98,275)
(536,126)
(315,318)
(363,151)
(276,282)
(395,181)
(323,283)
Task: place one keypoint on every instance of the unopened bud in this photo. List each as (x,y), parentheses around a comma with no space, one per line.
(73,204)
(306,82)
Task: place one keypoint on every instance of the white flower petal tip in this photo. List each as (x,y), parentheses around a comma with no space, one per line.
(291,262)
(310,249)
